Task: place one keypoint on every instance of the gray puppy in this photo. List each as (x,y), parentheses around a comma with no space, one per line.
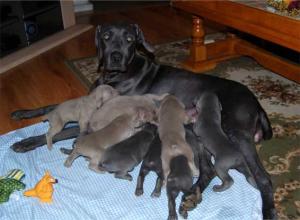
(208,129)
(93,145)
(122,105)
(79,109)
(122,158)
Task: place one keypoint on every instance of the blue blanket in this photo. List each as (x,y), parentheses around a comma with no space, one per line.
(83,194)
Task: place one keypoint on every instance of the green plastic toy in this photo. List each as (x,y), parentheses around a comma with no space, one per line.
(9,183)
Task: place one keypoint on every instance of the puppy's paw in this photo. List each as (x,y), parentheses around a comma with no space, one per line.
(183,212)
(189,201)
(139,192)
(67,164)
(155,194)
(172,217)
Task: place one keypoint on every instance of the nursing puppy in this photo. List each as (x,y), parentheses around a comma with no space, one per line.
(177,156)
(122,105)
(171,119)
(152,162)
(180,178)
(79,109)
(93,145)
(226,155)
(122,158)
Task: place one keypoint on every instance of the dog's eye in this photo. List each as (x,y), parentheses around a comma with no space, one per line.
(106,36)
(129,39)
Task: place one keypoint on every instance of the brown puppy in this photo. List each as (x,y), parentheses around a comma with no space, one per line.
(176,155)
(122,105)
(93,145)
(79,109)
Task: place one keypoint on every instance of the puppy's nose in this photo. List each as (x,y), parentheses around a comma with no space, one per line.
(116,57)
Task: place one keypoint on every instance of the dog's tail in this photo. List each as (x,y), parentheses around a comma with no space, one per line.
(32,113)
(265,124)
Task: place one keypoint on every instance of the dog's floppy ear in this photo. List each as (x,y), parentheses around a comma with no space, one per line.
(99,47)
(142,43)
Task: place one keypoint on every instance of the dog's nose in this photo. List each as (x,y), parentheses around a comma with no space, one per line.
(116,57)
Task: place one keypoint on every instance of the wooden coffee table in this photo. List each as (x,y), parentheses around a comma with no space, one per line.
(247,16)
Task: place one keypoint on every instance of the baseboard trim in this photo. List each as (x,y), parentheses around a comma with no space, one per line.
(41,46)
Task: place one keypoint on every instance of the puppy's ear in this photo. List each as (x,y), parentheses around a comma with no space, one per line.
(99,47)
(144,46)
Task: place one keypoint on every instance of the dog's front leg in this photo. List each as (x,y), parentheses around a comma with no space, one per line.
(34,142)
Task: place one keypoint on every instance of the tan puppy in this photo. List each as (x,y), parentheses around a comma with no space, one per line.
(93,145)
(79,109)
(171,119)
(122,105)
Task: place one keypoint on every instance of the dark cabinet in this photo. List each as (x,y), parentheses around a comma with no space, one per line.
(24,22)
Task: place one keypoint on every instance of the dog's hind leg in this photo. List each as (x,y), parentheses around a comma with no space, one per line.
(139,190)
(222,173)
(264,184)
(172,194)
(32,113)
(157,190)
(34,142)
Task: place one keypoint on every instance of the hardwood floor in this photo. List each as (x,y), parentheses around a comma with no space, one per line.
(46,79)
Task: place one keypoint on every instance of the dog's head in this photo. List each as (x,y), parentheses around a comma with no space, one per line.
(144,115)
(117,44)
(102,94)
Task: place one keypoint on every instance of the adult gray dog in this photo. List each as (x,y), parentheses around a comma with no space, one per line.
(130,72)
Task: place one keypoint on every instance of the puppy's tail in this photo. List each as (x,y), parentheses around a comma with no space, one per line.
(265,124)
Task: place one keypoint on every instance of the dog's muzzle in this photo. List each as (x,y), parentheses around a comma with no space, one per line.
(116,62)
(116,58)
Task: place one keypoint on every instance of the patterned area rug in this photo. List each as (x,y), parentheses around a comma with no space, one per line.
(279,97)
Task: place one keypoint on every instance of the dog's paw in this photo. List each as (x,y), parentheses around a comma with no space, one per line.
(139,192)
(183,212)
(17,115)
(189,201)
(172,217)
(270,214)
(67,164)
(27,144)
(155,194)
(220,188)
(66,151)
